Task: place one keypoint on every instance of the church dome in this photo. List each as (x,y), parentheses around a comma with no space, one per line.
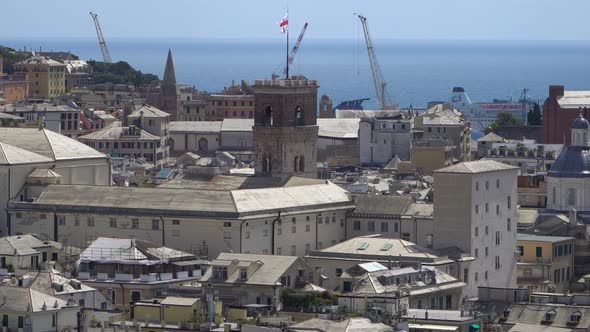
(573,162)
(580,123)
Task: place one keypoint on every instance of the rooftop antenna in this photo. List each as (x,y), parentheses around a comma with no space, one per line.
(106,56)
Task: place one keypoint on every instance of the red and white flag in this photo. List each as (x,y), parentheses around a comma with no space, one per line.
(284,24)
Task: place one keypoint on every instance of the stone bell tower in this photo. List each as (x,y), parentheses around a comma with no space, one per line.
(285,127)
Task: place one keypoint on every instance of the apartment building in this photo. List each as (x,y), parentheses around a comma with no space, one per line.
(46,76)
(545,263)
(62,119)
(382,138)
(475,210)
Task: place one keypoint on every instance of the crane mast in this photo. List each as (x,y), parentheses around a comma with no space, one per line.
(378,81)
(295,49)
(106,56)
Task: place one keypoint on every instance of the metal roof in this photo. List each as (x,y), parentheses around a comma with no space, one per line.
(574,99)
(474,167)
(338,128)
(573,162)
(237,124)
(12,155)
(148,111)
(177,127)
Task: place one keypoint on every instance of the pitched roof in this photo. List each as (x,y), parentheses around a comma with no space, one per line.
(148,111)
(20,244)
(574,99)
(117,133)
(12,155)
(177,127)
(47,143)
(237,124)
(474,167)
(380,204)
(129,250)
(378,246)
(269,271)
(491,137)
(249,200)
(21,299)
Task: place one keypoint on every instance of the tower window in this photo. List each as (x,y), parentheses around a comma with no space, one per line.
(268,118)
(298,116)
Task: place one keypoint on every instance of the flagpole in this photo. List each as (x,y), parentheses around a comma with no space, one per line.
(287,49)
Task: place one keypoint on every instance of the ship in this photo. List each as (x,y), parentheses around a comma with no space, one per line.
(482,114)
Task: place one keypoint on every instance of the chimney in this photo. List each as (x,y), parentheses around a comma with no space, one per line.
(556,91)
(573,217)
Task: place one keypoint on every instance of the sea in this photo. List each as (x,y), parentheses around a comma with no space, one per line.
(416,71)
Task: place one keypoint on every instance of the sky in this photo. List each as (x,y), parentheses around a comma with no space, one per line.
(258,19)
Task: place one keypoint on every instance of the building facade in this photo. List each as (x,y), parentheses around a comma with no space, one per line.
(475,210)
(382,138)
(46,76)
(560,109)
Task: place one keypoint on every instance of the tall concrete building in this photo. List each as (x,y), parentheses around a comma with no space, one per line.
(285,128)
(475,211)
(46,77)
(170,93)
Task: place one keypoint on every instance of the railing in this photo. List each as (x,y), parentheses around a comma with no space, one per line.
(286,83)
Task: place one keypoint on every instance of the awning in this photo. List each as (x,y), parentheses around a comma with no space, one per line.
(433,327)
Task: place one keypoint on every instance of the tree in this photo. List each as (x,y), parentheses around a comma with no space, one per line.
(504,119)
(534,116)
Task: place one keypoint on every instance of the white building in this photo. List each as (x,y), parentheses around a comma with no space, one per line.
(475,210)
(382,138)
(25,150)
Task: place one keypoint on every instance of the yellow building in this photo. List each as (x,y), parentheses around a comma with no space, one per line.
(544,263)
(171,311)
(430,155)
(46,76)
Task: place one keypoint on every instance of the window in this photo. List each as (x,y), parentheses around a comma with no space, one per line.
(476,186)
(497,183)
(497,209)
(320,220)
(279,250)
(497,238)
(476,208)
(539,252)
(475,276)
(487,207)
(485,275)
(175,222)
(265,232)
(509,202)
(384,227)
(371,226)
(476,252)
(571,196)
(61,220)
(155,224)
(338,273)
(406,236)
(554,195)
(307,228)
(113,222)
(486,230)
(508,224)
(294,229)
(487,185)
(476,231)
(19,215)
(293,250)
(487,251)
(243,274)
(220,272)
(497,262)
(356,225)
(520,250)
(395,227)
(227,224)
(429,241)
(90,221)
(465,275)
(135,223)
(77,220)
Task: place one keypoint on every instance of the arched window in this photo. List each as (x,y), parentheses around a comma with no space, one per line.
(268,119)
(203,144)
(296,165)
(242,143)
(266,164)
(301,164)
(298,116)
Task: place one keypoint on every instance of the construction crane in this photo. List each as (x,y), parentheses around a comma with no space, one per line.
(293,53)
(378,80)
(106,56)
